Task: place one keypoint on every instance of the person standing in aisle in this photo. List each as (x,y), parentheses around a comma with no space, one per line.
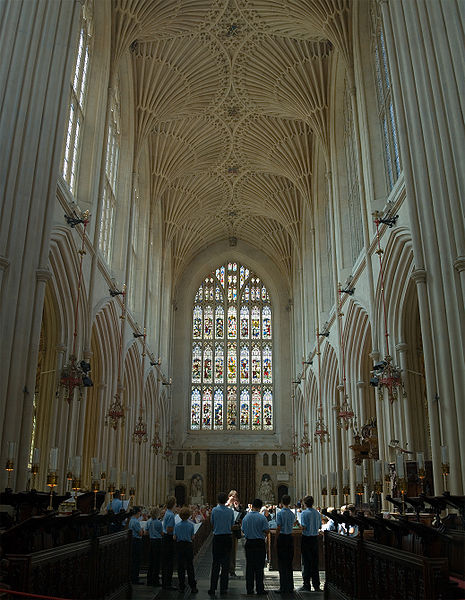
(222,520)
(255,528)
(183,536)
(285,520)
(155,531)
(167,547)
(234,504)
(311,524)
(137,533)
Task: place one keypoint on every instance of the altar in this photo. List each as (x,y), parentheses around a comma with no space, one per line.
(272,551)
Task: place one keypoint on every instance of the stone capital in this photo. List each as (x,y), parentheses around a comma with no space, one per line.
(4,263)
(419,276)
(361,384)
(459,263)
(43,275)
(401,347)
(374,355)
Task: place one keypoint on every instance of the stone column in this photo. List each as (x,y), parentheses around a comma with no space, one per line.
(421,38)
(37,41)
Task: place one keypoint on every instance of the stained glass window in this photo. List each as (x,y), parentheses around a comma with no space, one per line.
(232,352)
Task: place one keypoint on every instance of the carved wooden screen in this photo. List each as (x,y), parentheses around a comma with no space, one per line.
(227,472)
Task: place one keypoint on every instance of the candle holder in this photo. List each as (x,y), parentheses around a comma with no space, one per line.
(334,494)
(359,489)
(402,485)
(9,468)
(95,489)
(34,472)
(122,491)
(421,477)
(445,473)
(324,493)
(111,491)
(132,495)
(52,481)
(346,492)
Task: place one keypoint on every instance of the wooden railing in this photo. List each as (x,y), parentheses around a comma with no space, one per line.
(94,568)
(364,570)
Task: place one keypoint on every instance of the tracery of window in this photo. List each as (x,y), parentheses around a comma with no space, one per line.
(111,172)
(386,112)
(232,353)
(353,185)
(78,95)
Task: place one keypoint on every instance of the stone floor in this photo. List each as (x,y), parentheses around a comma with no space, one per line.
(236,584)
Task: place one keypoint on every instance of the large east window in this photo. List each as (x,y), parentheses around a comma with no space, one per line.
(231,366)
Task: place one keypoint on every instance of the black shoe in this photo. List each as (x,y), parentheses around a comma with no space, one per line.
(262,593)
(169,588)
(305,588)
(211,592)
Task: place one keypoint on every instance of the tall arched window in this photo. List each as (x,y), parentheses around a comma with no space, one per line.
(232,381)
(385,105)
(111,175)
(79,81)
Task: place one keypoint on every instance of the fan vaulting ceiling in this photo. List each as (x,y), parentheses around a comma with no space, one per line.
(231,99)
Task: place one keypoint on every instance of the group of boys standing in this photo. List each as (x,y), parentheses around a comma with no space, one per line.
(168,537)
(255,528)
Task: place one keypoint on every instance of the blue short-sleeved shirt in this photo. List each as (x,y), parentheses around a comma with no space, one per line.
(184,531)
(155,529)
(310,521)
(254,525)
(168,520)
(285,519)
(116,505)
(134,526)
(222,519)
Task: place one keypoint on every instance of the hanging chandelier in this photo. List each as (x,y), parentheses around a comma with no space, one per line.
(156,444)
(115,414)
(139,435)
(386,375)
(345,414)
(75,375)
(140,431)
(305,444)
(295,448)
(168,451)
(321,432)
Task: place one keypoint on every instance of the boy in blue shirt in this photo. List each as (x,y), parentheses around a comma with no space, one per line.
(285,521)
(222,520)
(183,535)
(311,524)
(137,533)
(167,557)
(255,527)
(155,531)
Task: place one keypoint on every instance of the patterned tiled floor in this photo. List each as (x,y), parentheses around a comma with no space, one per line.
(236,584)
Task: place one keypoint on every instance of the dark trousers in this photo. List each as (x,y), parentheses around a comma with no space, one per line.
(221,553)
(135,562)
(153,574)
(310,561)
(255,554)
(185,553)
(285,547)
(167,559)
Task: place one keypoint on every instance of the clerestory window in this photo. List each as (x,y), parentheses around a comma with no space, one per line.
(231,375)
